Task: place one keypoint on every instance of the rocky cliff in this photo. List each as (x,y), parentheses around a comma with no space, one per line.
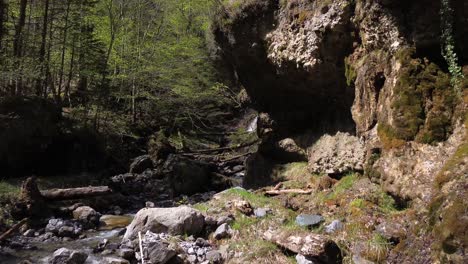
(360,86)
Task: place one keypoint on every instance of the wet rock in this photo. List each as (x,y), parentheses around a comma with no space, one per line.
(141,163)
(114,221)
(223,231)
(176,221)
(67,256)
(126,253)
(87,216)
(309,220)
(334,226)
(337,154)
(64,228)
(113,260)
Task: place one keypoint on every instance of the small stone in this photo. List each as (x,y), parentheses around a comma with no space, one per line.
(29,233)
(334,226)
(225,220)
(261,212)
(309,220)
(202,242)
(149,205)
(107,252)
(191,251)
(192,258)
(243,206)
(223,231)
(300,259)
(214,257)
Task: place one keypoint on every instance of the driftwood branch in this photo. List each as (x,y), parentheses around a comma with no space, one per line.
(75,193)
(295,191)
(221,149)
(13,229)
(236,157)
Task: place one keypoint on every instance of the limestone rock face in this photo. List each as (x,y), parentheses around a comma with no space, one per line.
(176,221)
(336,154)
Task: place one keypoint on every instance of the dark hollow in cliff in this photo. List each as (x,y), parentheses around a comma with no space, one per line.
(296,98)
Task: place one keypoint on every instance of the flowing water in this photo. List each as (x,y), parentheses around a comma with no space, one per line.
(110,231)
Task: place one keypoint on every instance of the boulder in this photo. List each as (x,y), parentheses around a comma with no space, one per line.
(141,163)
(187,176)
(175,220)
(67,256)
(312,246)
(87,216)
(337,154)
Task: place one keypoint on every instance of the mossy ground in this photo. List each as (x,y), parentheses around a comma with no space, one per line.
(354,200)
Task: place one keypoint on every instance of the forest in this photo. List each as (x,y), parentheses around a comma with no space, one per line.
(115,68)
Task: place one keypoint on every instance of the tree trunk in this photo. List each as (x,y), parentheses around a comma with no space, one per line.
(64,48)
(18,42)
(40,82)
(75,193)
(2,26)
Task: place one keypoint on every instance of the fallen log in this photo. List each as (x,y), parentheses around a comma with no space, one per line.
(294,191)
(75,193)
(13,229)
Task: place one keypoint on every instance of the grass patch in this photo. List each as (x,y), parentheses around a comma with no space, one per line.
(377,248)
(344,184)
(201,207)
(254,199)
(358,202)
(8,189)
(243,222)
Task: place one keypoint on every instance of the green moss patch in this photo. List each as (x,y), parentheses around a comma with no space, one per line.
(424,102)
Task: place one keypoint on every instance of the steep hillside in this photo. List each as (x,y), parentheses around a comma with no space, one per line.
(362,86)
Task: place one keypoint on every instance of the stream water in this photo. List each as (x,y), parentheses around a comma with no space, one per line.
(110,231)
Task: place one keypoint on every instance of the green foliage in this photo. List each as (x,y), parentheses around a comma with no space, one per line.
(448,44)
(350,73)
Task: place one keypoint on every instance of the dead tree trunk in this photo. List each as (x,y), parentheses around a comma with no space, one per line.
(75,193)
